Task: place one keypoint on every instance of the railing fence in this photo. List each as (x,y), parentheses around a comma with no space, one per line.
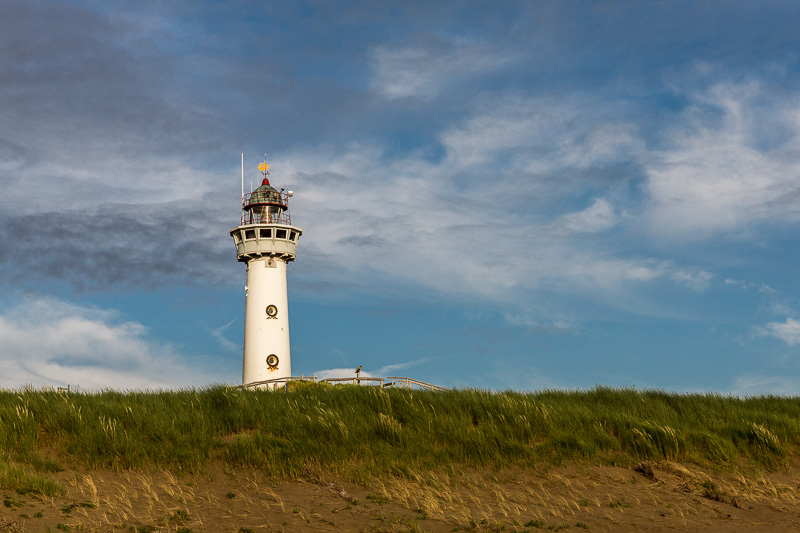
(393,381)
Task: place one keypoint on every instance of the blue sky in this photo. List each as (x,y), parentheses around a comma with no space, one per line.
(498,195)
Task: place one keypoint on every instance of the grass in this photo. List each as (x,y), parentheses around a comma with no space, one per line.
(24,481)
(369,431)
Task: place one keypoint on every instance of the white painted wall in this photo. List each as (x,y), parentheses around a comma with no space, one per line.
(266,285)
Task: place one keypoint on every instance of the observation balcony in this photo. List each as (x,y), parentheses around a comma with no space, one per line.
(255,240)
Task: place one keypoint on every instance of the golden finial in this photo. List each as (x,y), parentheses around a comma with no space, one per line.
(264,167)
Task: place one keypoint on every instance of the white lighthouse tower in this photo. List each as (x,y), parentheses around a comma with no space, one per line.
(266,242)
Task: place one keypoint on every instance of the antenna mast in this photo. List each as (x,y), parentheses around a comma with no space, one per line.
(242,174)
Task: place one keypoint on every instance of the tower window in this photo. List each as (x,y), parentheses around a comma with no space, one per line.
(265,233)
(280,234)
(249,234)
(293,236)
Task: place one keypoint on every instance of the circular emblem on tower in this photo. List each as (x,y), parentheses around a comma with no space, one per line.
(272,311)
(272,361)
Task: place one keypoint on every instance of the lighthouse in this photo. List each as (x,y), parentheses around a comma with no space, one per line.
(266,243)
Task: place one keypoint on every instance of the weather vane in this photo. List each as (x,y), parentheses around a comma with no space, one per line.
(264,167)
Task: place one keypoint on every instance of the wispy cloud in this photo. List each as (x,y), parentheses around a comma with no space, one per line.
(551,327)
(218,334)
(721,174)
(538,135)
(425,70)
(742,284)
(757,384)
(394,367)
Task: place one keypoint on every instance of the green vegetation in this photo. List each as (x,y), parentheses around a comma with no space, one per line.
(617,504)
(23,480)
(380,500)
(179,516)
(368,431)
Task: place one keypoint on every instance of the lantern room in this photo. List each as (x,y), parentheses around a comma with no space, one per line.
(266,205)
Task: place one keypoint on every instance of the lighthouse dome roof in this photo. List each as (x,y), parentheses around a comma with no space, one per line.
(266,194)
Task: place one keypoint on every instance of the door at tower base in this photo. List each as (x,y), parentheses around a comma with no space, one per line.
(266,322)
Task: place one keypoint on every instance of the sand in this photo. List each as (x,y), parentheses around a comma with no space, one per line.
(651,497)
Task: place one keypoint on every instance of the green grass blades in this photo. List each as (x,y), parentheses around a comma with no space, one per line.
(371,430)
(21,480)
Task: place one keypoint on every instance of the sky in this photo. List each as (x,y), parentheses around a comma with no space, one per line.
(496,195)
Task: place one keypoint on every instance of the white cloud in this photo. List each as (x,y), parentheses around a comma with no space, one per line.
(349,373)
(599,216)
(490,220)
(788,331)
(382,372)
(46,341)
(420,227)
(696,281)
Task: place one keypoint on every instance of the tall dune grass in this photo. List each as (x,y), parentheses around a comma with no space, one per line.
(370,431)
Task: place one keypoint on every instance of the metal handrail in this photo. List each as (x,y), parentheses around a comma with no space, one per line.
(249,217)
(381,382)
(354,381)
(409,381)
(275,380)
